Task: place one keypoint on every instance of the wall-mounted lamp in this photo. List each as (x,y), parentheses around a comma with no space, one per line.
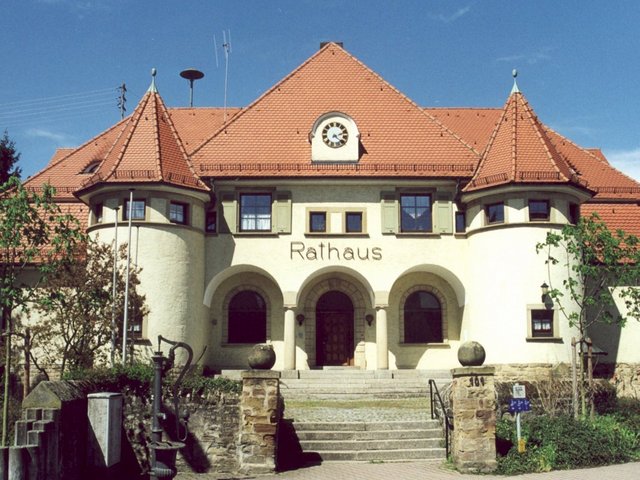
(369,319)
(300,319)
(544,288)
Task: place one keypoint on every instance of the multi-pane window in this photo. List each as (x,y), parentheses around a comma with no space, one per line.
(353,222)
(538,210)
(415,211)
(247,318)
(495,213)
(255,212)
(318,222)
(422,318)
(542,323)
(574,213)
(98,212)
(137,210)
(178,212)
(461,222)
(211,220)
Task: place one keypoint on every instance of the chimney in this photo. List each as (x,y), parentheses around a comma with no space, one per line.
(322,44)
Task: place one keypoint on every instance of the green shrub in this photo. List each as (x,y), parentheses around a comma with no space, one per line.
(562,443)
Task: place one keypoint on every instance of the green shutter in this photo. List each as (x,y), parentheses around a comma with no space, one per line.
(444,215)
(389,210)
(229,220)
(282,212)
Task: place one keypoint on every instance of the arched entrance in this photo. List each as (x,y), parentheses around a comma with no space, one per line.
(334,329)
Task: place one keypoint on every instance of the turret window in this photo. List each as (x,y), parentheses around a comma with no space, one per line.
(495,213)
(137,210)
(538,210)
(178,213)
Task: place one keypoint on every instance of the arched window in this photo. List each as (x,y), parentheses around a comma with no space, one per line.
(422,318)
(247,318)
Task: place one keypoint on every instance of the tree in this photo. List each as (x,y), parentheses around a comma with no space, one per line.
(598,263)
(35,236)
(76,305)
(8,158)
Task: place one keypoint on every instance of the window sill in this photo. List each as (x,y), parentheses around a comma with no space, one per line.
(444,344)
(255,234)
(545,339)
(418,234)
(336,235)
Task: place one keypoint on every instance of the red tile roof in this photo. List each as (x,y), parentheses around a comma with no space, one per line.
(622,216)
(519,151)
(271,136)
(148,149)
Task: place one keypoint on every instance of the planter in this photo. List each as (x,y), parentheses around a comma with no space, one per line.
(262,357)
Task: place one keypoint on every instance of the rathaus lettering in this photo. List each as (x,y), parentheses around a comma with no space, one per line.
(326,251)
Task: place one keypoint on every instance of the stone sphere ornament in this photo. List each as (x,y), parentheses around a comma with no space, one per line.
(262,357)
(471,354)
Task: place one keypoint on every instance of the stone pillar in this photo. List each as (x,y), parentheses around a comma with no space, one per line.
(473,400)
(289,339)
(261,411)
(382,342)
(104,411)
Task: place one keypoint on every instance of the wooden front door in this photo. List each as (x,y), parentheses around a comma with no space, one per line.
(334,330)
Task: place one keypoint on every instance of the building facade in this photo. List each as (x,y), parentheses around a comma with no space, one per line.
(344,224)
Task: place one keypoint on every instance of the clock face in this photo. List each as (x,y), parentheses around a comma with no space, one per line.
(334,134)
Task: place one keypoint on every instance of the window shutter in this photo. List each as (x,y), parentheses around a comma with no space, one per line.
(229,220)
(389,210)
(444,215)
(282,212)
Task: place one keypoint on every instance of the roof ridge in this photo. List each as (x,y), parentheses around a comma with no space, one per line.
(487,149)
(252,105)
(178,140)
(131,127)
(591,154)
(74,150)
(546,142)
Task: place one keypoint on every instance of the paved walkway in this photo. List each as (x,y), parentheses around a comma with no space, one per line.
(427,471)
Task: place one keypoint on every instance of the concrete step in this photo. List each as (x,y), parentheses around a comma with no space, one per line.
(365,426)
(365,445)
(321,435)
(381,455)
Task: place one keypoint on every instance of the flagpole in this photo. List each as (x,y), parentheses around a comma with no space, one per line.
(126,288)
(113,291)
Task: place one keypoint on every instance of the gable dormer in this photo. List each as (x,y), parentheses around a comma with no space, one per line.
(335,138)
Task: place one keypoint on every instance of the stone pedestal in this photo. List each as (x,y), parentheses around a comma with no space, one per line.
(473,401)
(261,411)
(104,411)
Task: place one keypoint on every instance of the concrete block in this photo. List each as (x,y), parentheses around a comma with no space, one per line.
(104,411)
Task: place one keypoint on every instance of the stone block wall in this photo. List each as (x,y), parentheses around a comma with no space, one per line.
(473,405)
(261,412)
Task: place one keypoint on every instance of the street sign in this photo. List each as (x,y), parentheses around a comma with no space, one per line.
(517,405)
(519,391)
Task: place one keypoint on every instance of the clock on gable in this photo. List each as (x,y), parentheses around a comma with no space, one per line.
(334,137)
(335,134)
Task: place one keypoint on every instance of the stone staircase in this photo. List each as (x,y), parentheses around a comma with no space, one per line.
(352,415)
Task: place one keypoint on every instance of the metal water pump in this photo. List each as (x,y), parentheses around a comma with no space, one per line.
(163,453)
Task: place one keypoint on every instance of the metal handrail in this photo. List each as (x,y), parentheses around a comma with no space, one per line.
(447,424)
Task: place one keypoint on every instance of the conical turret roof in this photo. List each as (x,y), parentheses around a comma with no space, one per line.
(520,151)
(147,150)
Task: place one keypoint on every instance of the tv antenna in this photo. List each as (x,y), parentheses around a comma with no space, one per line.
(226,46)
(192,75)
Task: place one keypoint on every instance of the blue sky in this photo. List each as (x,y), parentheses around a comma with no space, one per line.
(62,60)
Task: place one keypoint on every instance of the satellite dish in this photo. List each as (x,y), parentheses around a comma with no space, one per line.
(192,75)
